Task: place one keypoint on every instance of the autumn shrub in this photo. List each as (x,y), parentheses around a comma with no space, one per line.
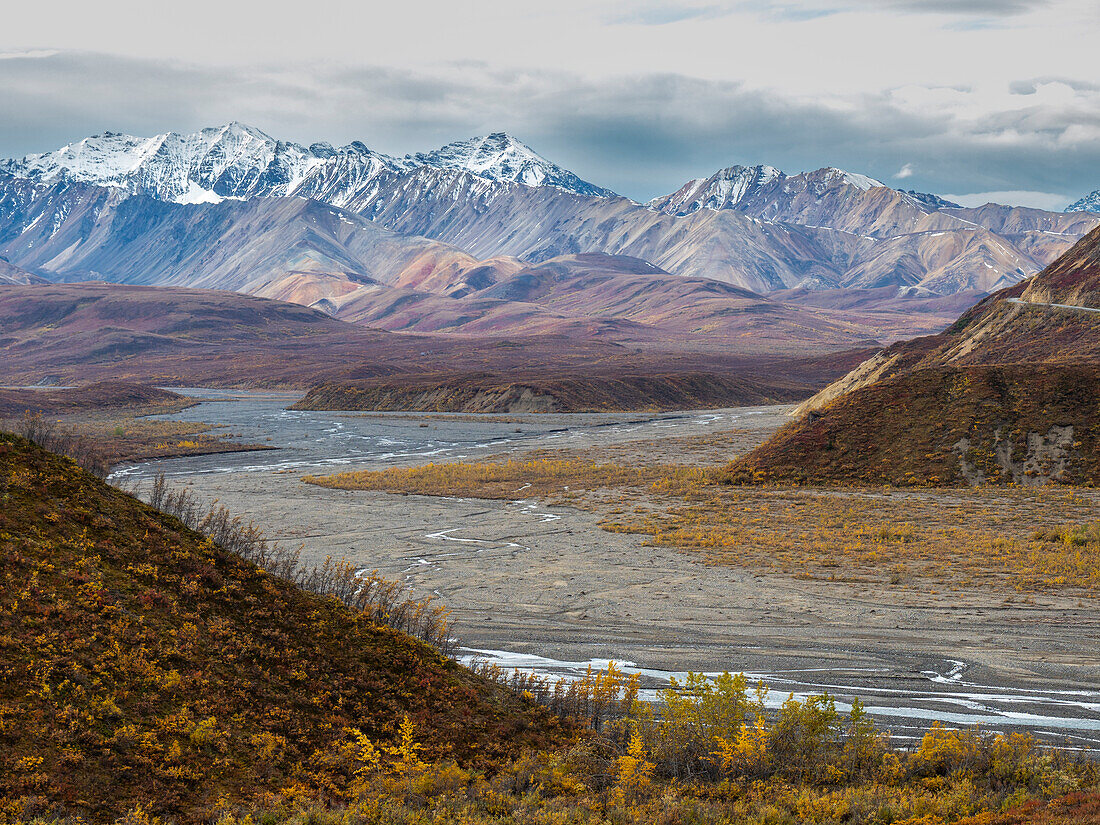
(52,436)
(596,698)
(499,479)
(383,601)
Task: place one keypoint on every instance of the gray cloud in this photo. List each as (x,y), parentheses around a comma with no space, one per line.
(661,13)
(797,10)
(1032,85)
(991,8)
(640,135)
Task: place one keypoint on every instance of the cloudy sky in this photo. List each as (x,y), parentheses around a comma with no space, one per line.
(979,99)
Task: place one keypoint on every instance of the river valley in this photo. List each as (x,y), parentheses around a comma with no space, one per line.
(540,587)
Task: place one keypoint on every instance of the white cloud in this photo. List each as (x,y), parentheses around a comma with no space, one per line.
(27,54)
(904,172)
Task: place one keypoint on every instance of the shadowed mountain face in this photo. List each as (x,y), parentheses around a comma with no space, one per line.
(1008,393)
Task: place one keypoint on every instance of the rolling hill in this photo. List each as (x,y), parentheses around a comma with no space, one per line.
(168,336)
(76,333)
(140,664)
(1010,393)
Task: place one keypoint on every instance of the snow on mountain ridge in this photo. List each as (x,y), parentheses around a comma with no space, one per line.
(854,178)
(237,160)
(722,190)
(500,157)
(1089,203)
(734,186)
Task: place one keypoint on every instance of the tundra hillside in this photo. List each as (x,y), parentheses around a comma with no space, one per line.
(1007,394)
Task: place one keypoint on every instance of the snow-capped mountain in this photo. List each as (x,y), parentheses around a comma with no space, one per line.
(231,161)
(755,227)
(240,161)
(723,190)
(500,157)
(1089,203)
(761,190)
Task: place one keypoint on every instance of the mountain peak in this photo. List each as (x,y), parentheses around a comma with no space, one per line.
(1089,203)
(862,182)
(236,128)
(501,157)
(758,189)
(723,190)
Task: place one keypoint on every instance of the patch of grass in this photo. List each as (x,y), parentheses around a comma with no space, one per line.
(954,538)
(122,439)
(503,479)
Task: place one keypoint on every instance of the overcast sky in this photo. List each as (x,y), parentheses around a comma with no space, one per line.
(979,99)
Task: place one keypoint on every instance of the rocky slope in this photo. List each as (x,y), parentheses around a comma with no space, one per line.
(12,274)
(1009,392)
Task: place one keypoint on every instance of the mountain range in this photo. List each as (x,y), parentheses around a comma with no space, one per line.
(451,240)
(240,161)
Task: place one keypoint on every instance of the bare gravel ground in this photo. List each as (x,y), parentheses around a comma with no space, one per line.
(524,577)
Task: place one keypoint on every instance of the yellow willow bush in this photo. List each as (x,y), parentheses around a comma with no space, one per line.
(635,771)
(565,789)
(596,698)
(716,727)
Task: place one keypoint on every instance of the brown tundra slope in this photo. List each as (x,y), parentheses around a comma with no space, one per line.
(143,665)
(1009,393)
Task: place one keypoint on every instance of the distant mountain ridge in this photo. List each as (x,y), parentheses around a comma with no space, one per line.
(240,161)
(452,222)
(314,254)
(730,188)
